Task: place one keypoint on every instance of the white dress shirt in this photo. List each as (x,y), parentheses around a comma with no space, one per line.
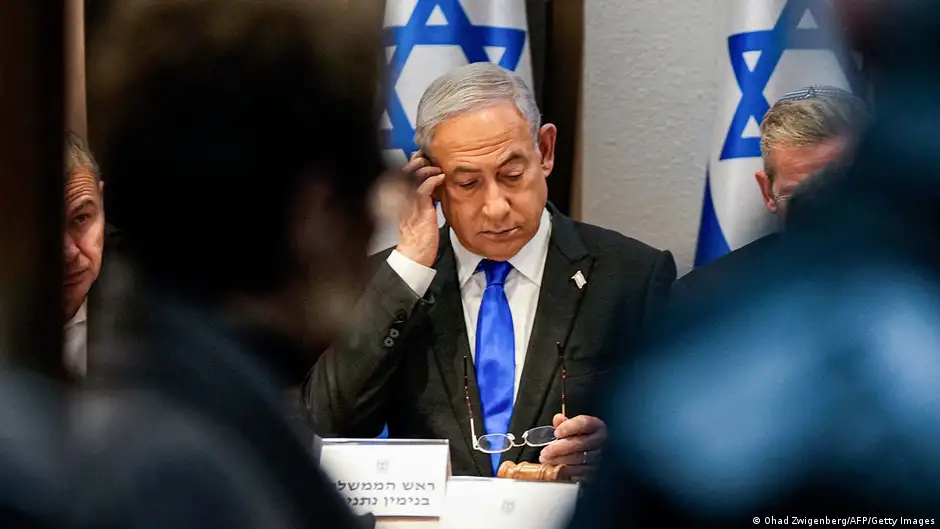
(75,350)
(522,286)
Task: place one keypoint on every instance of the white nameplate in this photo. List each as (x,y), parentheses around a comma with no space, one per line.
(475,503)
(389,477)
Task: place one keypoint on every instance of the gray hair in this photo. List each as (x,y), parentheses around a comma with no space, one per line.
(472,87)
(78,156)
(809,116)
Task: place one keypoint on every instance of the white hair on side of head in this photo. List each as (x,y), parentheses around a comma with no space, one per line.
(810,116)
(473,87)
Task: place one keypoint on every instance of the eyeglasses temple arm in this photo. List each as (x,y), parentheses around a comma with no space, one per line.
(466,392)
(564,377)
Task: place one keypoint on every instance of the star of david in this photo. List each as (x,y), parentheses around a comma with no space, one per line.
(458,32)
(772,43)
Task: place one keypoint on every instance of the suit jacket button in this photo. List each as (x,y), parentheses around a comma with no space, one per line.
(401,315)
(393,333)
(389,342)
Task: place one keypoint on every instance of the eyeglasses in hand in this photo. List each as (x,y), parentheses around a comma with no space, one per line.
(495,443)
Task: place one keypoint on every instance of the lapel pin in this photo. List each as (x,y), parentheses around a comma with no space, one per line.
(579,279)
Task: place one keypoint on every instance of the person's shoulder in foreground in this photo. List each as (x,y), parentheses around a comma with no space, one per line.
(240,146)
(177,469)
(32,462)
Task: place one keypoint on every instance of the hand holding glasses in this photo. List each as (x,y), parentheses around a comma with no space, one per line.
(496,443)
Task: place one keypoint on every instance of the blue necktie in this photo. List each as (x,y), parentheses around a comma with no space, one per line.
(495,352)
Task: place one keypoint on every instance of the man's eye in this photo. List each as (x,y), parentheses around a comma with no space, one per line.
(468,184)
(80,219)
(512,176)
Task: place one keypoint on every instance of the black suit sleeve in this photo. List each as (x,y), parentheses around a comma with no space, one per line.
(347,391)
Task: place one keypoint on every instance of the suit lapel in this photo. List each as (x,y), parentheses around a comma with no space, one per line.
(559,298)
(451,345)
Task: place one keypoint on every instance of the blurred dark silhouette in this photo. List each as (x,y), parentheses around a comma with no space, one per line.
(808,387)
(32,467)
(31,169)
(31,101)
(240,146)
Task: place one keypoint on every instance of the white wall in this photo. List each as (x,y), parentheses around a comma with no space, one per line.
(648,102)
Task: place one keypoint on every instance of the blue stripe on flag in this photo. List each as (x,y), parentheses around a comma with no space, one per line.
(384,434)
(711,241)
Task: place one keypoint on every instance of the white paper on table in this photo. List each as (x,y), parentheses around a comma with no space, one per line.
(492,503)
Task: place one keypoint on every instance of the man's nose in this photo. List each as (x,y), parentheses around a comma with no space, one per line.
(70,249)
(496,205)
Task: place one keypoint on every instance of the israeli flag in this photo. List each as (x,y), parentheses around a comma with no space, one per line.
(772,47)
(426,38)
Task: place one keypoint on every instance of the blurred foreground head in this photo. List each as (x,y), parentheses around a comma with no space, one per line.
(241,145)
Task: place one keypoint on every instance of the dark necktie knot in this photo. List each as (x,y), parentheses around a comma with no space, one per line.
(496,271)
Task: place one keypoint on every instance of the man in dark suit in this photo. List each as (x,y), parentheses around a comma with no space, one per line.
(240,158)
(88,241)
(467,332)
(804,132)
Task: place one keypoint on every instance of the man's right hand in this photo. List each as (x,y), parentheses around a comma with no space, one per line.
(418,231)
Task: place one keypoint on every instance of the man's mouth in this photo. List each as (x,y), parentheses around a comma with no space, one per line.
(73,278)
(499,234)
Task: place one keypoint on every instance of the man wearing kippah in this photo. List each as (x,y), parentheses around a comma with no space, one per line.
(806,131)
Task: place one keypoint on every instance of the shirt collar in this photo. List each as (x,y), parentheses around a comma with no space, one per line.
(530,261)
(80,317)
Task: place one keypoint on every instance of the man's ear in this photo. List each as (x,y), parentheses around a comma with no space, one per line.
(547,136)
(766,190)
